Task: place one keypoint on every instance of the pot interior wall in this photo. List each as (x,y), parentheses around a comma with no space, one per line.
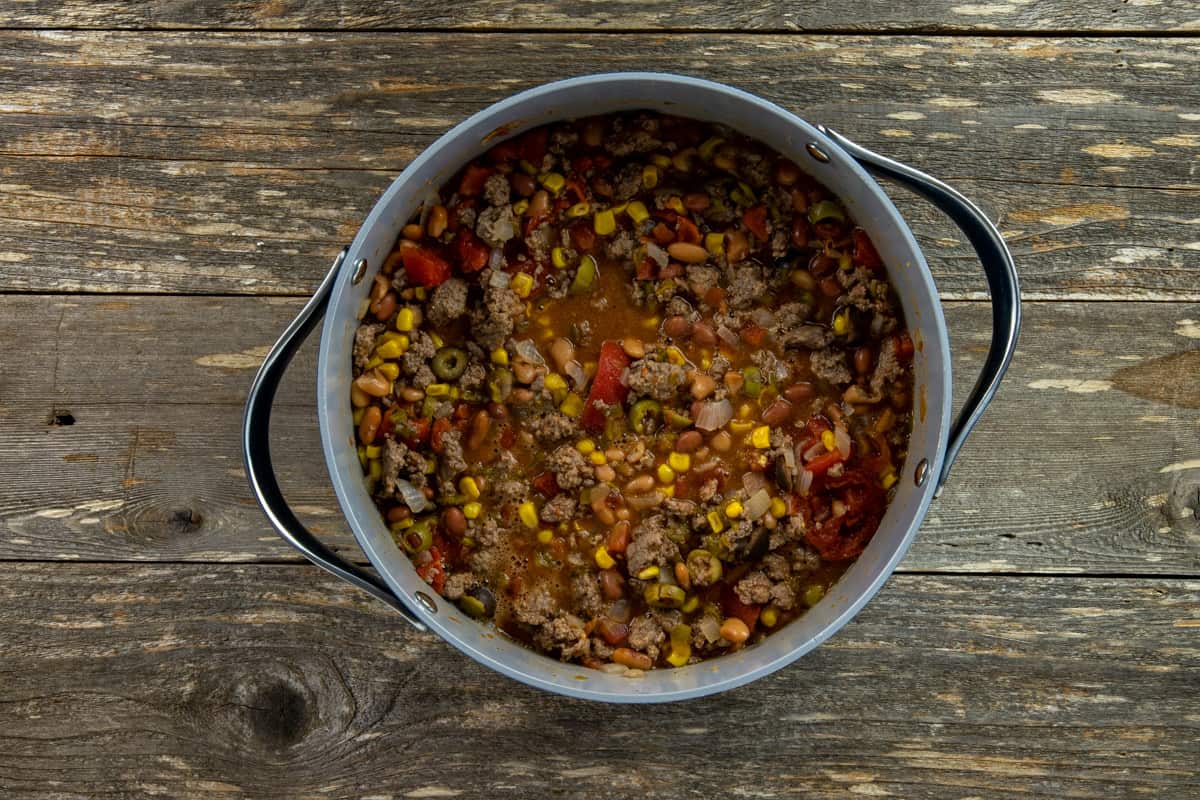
(685,97)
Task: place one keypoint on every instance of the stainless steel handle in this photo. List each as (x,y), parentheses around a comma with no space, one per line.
(998,267)
(256,453)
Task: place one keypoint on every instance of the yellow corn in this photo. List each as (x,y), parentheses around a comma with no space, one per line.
(437,340)
(652,322)
(769,616)
(437,390)
(500,357)
(761,437)
(586,446)
(841,323)
(744,410)
(680,462)
(405,318)
(682,160)
(420,293)
(358,415)
(705,361)
(605,222)
(390,370)
(675,204)
(603,559)
(528,514)
(555,382)
(660,161)
(520,207)
(620,209)
(527,168)
(558,257)
(829,441)
(714,243)
(544,321)
(715,522)
(598,458)
(522,284)
(455,393)
(362,451)
(681,645)
(579,210)
(552,181)
(675,356)
(706,149)
(374,362)
(649,573)
(650,176)
(374,451)
(690,605)
(888,480)
(390,349)
(778,507)
(545,535)
(740,425)
(572,406)
(734,509)
(376,469)
(667,491)
(666,474)
(637,211)
(470,487)
(472,510)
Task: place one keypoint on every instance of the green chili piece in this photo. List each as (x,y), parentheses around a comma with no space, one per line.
(752,384)
(449,363)
(826,211)
(664,595)
(585,276)
(676,419)
(500,384)
(417,537)
(644,415)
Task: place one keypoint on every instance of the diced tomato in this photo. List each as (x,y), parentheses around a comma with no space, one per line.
(546,483)
(904,346)
(687,231)
(503,152)
(535,220)
(532,146)
(755,219)
(844,537)
(816,426)
(715,297)
(821,464)
(606,386)
(474,176)
(662,234)
(647,268)
(414,432)
(673,269)
(471,253)
(581,164)
(387,425)
(575,187)
(583,238)
(734,607)
(440,428)
(508,437)
(434,572)
(754,335)
(424,266)
(864,253)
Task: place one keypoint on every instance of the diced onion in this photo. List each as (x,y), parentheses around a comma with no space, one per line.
(496,259)
(805,483)
(757,505)
(575,372)
(709,629)
(499,279)
(753,481)
(659,255)
(413,497)
(789,460)
(729,337)
(714,414)
(528,351)
(814,451)
(842,437)
(361,311)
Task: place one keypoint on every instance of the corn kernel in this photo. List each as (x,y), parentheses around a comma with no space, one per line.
(558,257)
(679,656)
(778,507)
(620,208)
(374,362)
(680,462)
(400,525)
(661,161)
(705,362)
(675,204)
(472,510)
(527,167)
(665,473)
(528,514)
(545,536)
(706,149)
(500,357)
(648,574)
(690,605)
(405,319)
(552,181)
(420,293)
(555,382)
(362,454)
(715,522)
(520,207)
(579,210)
(586,446)
(769,616)
(603,559)
(358,415)
(650,176)
(652,322)
(714,243)
(455,393)
(437,390)
(761,437)
(637,212)
(374,451)
(522,284)
(470,487)
(390,370)
(888,480)
(437,340)
(667,491)
(572,405)
(829,441)
(741,425)
(375,469)
(734,509)
(604,222)
(598,458)
(841,323)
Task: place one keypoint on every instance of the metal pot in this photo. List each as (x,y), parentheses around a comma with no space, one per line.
(835,161)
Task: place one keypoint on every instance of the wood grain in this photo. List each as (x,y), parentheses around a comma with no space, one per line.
(279,682)
(236,163)
(1075,468)
(625,15)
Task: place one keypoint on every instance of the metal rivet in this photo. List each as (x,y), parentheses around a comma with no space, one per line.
(922,471)
(427,601)
(817,152)
(360,271)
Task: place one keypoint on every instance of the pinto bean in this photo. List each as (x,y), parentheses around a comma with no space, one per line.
(689,441)
(677,327)
(384,307)
(799,392)
(687,253)
(562,352)
(612,585)
(704,335)
(435,226)
(455,522)
(862,360)
(524,185)
(369,426)
(618,537)
(631,658)
(481,425)
(640,485)
(373,383)
(778,412)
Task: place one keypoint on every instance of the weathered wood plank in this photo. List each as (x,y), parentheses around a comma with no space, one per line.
(235,163)
(278,682)
(1087,462)
(625,15)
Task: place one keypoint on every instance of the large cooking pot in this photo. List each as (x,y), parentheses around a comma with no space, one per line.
(835,161)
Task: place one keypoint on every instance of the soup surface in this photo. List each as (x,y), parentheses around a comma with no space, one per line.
(634,388)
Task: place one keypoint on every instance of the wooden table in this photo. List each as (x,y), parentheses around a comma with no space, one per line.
(175,178)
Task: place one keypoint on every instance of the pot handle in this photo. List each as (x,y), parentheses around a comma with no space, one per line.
(997,266)
(256,453)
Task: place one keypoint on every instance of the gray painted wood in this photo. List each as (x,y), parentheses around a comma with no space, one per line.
(1087,462)
(238,163)
(211,681)
(624,15)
